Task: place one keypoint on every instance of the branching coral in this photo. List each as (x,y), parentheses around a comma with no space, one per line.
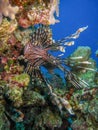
(7,10)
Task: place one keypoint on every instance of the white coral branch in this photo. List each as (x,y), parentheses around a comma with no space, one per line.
(7,10)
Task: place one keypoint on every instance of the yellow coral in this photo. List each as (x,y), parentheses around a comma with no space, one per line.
(6,28)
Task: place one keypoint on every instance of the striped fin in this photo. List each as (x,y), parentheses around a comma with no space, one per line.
(73,36)
(42,36)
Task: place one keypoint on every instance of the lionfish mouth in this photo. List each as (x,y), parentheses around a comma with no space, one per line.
(36,53)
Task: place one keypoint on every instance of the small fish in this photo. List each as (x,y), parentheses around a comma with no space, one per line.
(61,103)
(67,105)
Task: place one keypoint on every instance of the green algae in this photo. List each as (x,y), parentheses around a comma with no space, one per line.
(33,98)
(22,78)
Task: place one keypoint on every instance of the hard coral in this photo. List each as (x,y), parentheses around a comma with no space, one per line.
(49,119)
(38,13)
(43,14)
(7,10)
(6,29)
(23,3)
(14,94)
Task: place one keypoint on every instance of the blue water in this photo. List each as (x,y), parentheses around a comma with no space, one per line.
(73,15)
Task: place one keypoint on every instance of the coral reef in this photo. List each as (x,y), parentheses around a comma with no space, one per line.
(31,99)
(90,118)
(49,119)
(37,110)
(35,12)
(6,29)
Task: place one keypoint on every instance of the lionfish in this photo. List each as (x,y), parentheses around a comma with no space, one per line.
(36,52)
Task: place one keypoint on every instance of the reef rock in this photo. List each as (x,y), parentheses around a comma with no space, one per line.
(4,122)
(49,119)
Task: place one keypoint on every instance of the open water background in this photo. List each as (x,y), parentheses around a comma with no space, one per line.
(73,15)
